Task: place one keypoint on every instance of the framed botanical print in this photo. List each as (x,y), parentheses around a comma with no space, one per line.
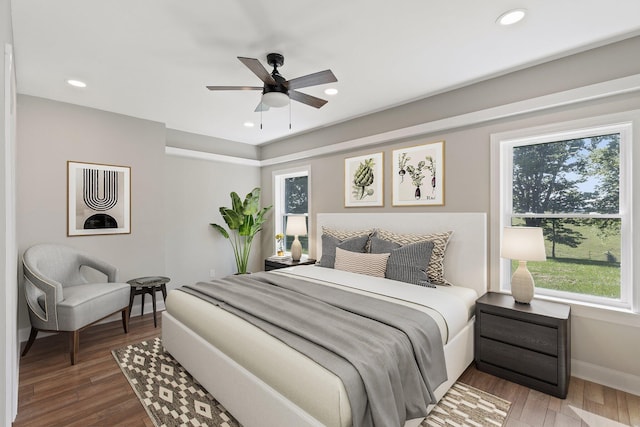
(98,199)
(363,181)
(418,175)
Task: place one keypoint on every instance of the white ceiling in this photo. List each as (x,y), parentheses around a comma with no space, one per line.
(152,58)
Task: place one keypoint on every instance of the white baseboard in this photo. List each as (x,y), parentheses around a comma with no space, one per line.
(608,377)
(23,333)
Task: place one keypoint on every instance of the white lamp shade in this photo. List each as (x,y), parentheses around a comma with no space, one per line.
(297,226)
(523,244)
(275,99)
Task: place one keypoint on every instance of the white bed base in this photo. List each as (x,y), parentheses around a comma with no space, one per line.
(254,403)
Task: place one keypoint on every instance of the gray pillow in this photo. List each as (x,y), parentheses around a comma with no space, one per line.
(381,246)
(406,263)
(330,243)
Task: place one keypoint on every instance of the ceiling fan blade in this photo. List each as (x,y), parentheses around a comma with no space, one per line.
(306,99)
(261,107)
(314,79)
(234,87)
(258,69)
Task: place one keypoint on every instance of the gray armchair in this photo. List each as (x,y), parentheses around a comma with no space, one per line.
(60,298)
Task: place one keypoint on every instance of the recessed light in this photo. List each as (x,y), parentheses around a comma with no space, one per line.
(511,17)
(248,124)
(76,83)
(331,91)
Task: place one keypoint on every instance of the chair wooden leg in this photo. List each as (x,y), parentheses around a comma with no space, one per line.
(125,319)
(32,339)
(75,345)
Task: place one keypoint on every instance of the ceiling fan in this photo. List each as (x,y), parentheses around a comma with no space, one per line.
(277,91)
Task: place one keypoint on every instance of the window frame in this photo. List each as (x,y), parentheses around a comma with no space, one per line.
(502,145)
(278,182)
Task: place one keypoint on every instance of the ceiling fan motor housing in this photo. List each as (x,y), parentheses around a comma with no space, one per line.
(276,60)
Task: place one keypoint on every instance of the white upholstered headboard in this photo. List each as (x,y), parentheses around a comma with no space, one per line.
(466,255)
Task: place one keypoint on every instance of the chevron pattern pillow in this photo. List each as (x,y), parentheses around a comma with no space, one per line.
(435,267)
(345,234)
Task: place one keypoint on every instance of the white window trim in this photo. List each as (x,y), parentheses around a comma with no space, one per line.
(628,124)
(277,182)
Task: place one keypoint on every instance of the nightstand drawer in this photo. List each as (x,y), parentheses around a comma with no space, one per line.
(534,365)
(523,334)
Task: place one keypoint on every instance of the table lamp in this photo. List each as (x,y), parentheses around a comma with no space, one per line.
(523,244)
(296,226)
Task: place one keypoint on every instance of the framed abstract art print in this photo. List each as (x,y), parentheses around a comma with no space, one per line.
(98,199)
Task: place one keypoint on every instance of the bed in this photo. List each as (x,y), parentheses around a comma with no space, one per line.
(264,382)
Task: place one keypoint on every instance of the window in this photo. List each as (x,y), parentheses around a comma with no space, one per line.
(575,185)
(291,190)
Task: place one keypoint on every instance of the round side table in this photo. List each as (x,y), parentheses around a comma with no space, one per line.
(148,285)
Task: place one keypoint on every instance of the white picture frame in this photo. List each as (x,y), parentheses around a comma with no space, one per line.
(364,180)
(98,199)
(418,175)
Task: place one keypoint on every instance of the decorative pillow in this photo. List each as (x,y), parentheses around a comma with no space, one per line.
(362,263)
(409,264)
(380,246)
(345,234)
(330,244)
(435,268)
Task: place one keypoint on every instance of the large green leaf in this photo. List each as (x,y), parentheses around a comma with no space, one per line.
(236,203)
(251,204)
(221,230)
(246,229)
(233,219)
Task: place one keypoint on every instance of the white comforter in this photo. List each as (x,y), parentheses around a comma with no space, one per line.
(450,306)
(299,379)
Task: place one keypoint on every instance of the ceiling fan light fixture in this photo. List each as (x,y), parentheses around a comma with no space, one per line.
(275,99)
(331,91)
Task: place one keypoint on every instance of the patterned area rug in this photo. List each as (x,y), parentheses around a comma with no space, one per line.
(172,397)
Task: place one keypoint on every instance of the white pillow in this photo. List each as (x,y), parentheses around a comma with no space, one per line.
(362,263)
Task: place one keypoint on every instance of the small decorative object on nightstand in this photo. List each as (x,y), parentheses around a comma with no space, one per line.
(274,263)
(279,244)
(527,344)
(523,244)
(296,226)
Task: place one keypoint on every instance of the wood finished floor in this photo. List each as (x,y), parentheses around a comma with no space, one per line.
(94,392)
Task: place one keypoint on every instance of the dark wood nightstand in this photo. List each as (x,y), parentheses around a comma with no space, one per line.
(529,344)
(275,263)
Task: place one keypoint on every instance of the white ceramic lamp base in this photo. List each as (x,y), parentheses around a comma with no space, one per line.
(522,285)
(296,249)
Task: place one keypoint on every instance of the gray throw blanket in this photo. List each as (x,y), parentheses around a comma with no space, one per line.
(389,357)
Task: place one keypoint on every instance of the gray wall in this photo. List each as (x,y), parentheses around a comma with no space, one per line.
(51,133)
(194,190)
(173,199)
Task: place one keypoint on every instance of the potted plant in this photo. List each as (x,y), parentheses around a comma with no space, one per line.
(244,219)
